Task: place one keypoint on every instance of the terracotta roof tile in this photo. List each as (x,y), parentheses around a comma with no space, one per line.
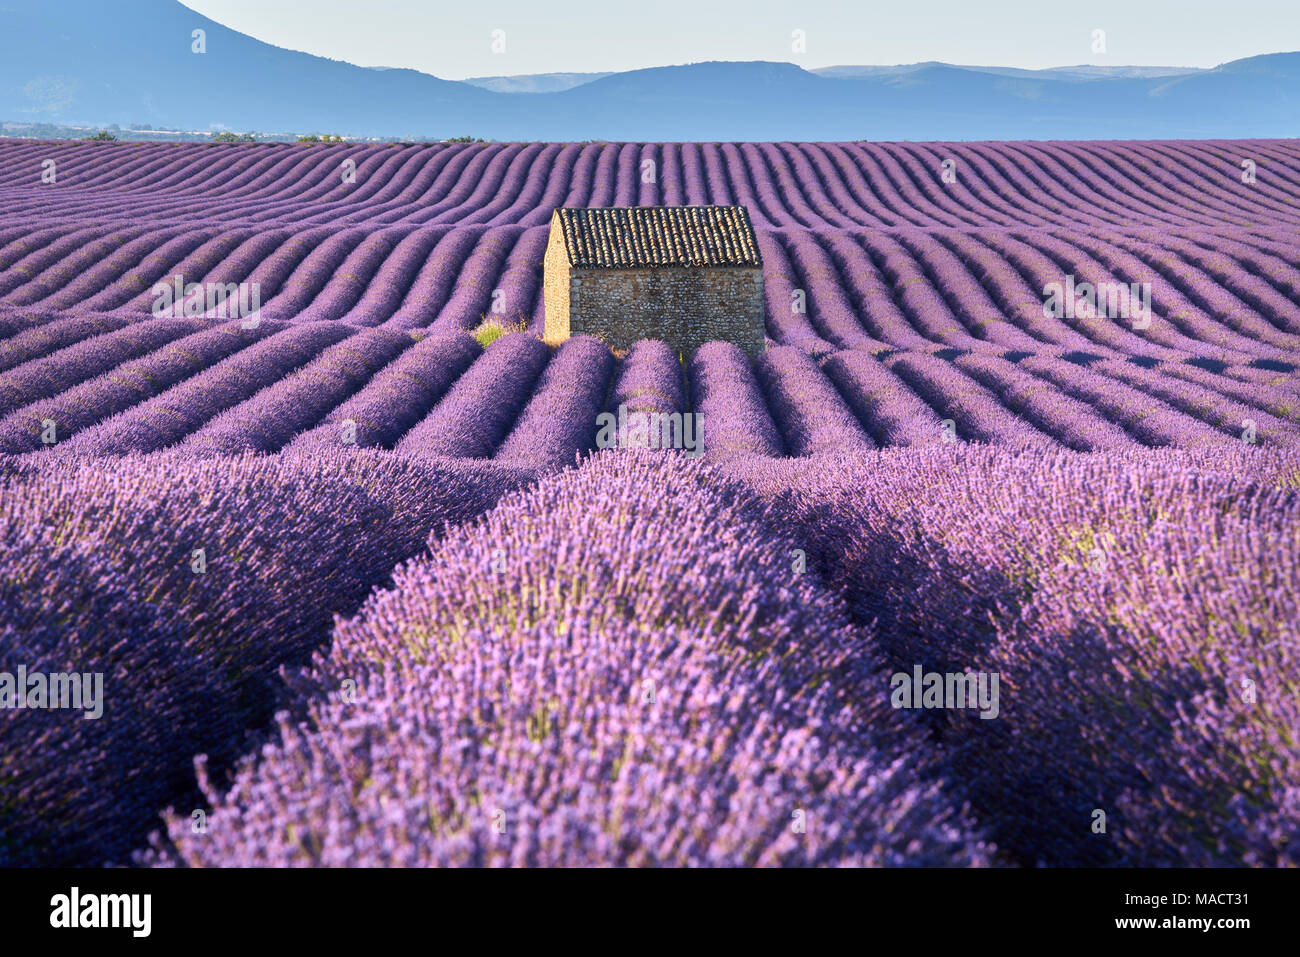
(635,237)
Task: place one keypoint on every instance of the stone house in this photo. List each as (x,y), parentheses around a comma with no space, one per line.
(684,274)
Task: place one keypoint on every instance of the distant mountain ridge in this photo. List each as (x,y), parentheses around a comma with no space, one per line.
(534,82)
(1077,72)
(85,62)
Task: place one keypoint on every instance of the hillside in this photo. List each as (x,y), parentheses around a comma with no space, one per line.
(83,62)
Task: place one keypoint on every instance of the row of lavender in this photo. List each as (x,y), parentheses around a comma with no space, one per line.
(1141,610)
(186,584)
(614,667)
(1252,185)
(646,662)
(1218,295)
(97,385)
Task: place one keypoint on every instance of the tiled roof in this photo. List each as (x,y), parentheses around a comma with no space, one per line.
(633,237)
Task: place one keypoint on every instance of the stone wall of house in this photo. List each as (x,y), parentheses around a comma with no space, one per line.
(685,307)
(555,273)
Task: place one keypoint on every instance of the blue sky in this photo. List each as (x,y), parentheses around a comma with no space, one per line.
(454,40)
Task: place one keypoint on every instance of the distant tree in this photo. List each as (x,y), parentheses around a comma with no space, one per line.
(103,136)
(464,139)
(225,136)
(313,138)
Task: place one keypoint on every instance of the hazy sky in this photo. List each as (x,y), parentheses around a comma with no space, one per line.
(454,40)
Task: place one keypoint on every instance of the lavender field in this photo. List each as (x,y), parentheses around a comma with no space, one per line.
(363,589)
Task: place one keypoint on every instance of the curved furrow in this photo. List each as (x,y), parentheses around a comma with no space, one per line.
(775,181)
(812,416)
(817,277)
(433,284)
(1257,264)
(53,249)
(717,176)
(411,193)
(1216,273)
(170,417)
(513,300)
(1205,308)
(850,208)
(870,293)
(392,279)
(890,412)
(924,188)
(965,298)
(535,184)
(79,278)
(188,255)
(350,280)
(1170,186)
(236,266)
(559,423)
(459,180)
(787,319)
(1046,262)
(1247,421)
(1201,179)
(925,310)
(733,413)
(35,343)
(360,189)
(60,371)
(1046,171)
(967,410)
(868,164)
(304,283)
(602,183)
(130,384)
(748,193)
(502,182)
(579,185)
(1075,424)
(1149,420)
(1252,388)
(478,412)
(988,188)
(396,398)
(1006,286)
(558,183)
(272,417)
(478,284)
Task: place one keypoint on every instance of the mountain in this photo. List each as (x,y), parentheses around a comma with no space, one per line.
(86,62)
(534,82)
(131,61)
(1084,71)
